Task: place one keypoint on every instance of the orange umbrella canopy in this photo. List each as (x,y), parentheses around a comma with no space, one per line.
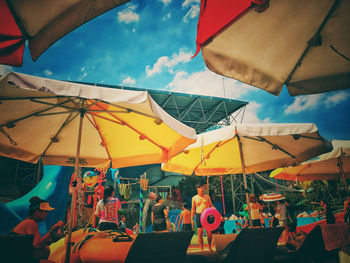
(40,119)
(304,45)
(329,166)
(250,148)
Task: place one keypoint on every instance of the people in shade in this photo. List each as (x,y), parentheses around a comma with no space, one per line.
(122,223)
(200,202)
(221,227)
(327,211)
(185,218)
(38,211)
(107,210)
(136,228)
(159,215)
(254,210)
(346,209)
(281,212)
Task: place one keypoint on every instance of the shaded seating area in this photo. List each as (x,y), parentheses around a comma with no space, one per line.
(322,244)
(160,247)
(16,248)
(250,245)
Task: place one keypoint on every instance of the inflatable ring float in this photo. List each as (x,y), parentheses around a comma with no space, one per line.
(204,219)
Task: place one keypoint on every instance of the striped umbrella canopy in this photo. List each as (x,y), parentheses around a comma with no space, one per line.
(272,197)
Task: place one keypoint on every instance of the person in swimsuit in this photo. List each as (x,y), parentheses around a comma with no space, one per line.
(185,217)
(200,202)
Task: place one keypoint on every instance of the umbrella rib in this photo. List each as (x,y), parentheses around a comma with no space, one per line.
(54,139)
(8,136)
(142,136)
(57,105)
(127,109)
(219,144)
(99,133)
(30,98)
(314,41)
(11,123)
(274,146)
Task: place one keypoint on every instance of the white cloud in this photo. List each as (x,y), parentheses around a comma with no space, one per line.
(166,62)
(128,15)
(129,81)
(208,83)
(5,69)
(192,13)
(167,16)
(251,113)
(165,2)
(47,72)
(334,99)
(303,103)
(186,3)
(82,76)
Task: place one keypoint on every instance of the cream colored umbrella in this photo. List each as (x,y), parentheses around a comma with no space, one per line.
(42,23)
(65,123)
(328,166)
(249,148)
(304,45)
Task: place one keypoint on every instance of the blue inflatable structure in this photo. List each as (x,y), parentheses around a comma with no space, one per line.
(53,187)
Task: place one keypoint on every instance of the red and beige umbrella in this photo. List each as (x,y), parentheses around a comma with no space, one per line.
(65,123)
(249,148)
(329,166)
(42,23)
(304,45)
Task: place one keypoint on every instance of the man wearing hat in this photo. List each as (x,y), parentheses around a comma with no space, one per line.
(38,210)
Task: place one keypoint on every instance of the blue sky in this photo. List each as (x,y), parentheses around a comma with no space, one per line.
(150,46)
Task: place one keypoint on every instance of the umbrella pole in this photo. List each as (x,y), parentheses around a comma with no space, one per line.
(244,178)
(340,164)
(74,192)
(223,197)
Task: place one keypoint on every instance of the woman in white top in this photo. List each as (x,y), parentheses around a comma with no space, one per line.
(107,210)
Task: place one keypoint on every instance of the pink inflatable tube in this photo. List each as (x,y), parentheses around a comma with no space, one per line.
(204,219)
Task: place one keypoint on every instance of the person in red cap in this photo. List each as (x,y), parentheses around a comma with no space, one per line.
(38,210)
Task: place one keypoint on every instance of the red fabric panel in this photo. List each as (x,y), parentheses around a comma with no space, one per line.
(215,15)
(11,38)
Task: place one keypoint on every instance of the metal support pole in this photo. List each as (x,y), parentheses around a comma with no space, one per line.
(233,196)
(74,192)
(244,179)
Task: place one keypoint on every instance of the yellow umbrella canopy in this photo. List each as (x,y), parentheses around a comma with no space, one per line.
(66,123)
(40,118)
(249,148)
(328,166)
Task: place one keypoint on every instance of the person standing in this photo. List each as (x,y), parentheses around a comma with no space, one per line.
(200,202)
(38,210)
(282,213)
(122,223)
(159,215)
(327,210)
(107,210)
(254,210)
(185,217)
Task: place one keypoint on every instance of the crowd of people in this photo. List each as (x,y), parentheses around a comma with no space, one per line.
(107,213)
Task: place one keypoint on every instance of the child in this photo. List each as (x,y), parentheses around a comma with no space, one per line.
(122,224)
(185,217)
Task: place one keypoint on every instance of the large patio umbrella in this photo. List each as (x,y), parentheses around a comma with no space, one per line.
(65,123)
(249,148)
(304,45)
(42,23)
(329,166)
